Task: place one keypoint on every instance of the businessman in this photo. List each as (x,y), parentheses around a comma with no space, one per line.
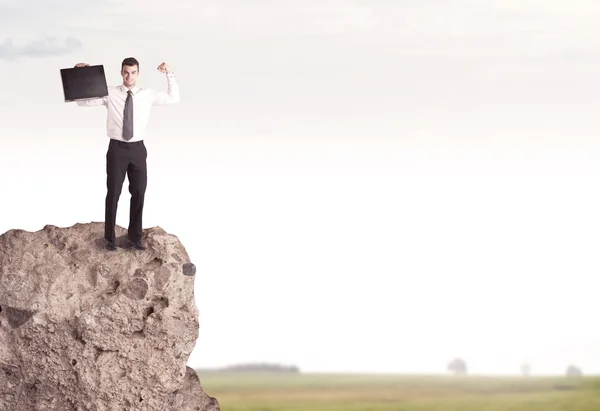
(128,111)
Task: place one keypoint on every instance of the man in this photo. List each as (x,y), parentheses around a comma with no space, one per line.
(128,111)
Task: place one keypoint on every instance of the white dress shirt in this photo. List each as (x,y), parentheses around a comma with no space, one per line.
(143,100)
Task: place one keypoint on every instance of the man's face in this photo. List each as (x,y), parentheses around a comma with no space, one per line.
(129,74)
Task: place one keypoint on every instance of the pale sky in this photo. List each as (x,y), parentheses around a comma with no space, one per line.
(362,185)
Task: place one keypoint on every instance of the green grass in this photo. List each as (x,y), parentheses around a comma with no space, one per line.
(316,392)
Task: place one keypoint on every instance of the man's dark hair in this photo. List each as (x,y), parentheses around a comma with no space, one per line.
(130,61)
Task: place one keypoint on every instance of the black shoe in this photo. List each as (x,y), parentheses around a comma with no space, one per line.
(136,244)
(111,246)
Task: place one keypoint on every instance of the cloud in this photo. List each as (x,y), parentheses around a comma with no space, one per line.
(35,23)
(491,30)
(239,18)
(44,28)
(46,47)
(47,13)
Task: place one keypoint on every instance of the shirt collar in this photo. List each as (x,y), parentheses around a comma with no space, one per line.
(134,90)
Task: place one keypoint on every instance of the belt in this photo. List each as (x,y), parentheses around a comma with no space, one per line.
(126,143)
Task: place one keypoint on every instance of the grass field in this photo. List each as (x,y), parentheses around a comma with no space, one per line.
(315,392)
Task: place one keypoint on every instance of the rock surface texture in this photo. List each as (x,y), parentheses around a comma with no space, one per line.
(87,329)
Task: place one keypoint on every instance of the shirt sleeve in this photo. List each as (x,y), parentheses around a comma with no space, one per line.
(101,101)
(171,95)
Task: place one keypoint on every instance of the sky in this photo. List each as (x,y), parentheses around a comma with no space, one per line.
(364,186)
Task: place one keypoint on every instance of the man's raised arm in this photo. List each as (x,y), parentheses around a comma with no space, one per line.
(172,94)
(100,101)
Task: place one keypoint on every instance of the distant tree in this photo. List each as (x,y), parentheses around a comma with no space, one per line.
(458,366)
(261,367)
(525,369)
(573,371)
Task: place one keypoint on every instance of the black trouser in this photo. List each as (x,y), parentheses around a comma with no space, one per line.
(125,158)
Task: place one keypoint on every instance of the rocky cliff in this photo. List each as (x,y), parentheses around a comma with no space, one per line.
(87,329)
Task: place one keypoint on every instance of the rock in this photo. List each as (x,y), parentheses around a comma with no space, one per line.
(189,397)
(87,329)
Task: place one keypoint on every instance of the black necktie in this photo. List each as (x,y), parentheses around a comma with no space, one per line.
(128,117)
